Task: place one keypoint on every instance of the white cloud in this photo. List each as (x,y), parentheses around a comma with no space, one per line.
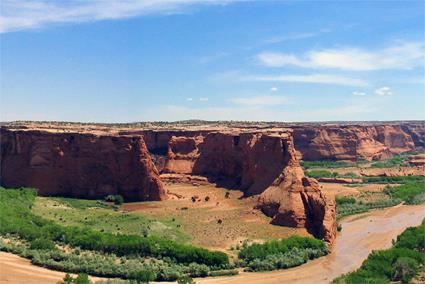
(189,99)
(298,36)
(356,93)
(312,78)
(203,99)
(30,14)
(383,91)
(273,59)
(400,55)
(260,101)
(273,89)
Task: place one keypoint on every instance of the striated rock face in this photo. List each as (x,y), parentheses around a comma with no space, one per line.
(259,163)
(352,142)
(79,165)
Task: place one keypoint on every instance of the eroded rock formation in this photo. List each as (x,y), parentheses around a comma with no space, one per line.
(260,163)
(79,165)
(354,142)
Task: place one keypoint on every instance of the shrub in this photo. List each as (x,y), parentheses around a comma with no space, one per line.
(345,200)
(116,199)
(321,174)
(230,272)
(42,244)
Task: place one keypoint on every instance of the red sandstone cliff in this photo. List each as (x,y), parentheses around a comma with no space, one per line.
(79,165)
(352,142)
(258,163)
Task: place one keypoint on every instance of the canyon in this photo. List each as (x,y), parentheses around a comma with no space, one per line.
(259,159)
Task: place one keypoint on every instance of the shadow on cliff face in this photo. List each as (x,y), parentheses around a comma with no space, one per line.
(235,162)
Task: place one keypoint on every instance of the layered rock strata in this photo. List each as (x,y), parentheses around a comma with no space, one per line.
(79,165)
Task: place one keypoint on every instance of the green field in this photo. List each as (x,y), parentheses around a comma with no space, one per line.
(97,216)
(92,237)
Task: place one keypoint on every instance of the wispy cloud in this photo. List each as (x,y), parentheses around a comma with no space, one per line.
(260,101)
(203,99)
(383,91)
(273,89)
(312,78)
(361,94)
(30,14)
(400,55)
(296,36)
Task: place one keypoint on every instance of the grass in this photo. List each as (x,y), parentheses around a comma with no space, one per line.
(326,164)
(80,203)
(402,262)
(395,179)
(396,160)
(411,193)
(327,174)
(82,214)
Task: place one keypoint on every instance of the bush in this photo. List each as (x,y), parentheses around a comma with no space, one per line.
(230,272)
(116,199)
(411,193)
(42,244)
(283,253)
(345,200)
(321,174)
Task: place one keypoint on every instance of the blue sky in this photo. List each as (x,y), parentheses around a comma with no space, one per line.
(124,61)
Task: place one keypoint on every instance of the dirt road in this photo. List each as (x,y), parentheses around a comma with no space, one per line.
(360,235)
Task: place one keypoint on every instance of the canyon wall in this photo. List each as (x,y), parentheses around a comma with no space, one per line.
(79,165)
(357,142)
(260,163)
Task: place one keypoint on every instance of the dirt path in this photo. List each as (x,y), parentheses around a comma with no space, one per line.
(359,236)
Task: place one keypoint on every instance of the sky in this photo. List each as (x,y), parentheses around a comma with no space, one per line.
(168,60)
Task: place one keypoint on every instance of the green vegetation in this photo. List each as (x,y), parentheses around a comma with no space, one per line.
(116,199)
(395,179)
(278,254)
(321,174)
(400,263)
(107,220)
(327,174)
(411,193)
(100,250)
(325,164)
(346,209)
(80,203)
(395,161)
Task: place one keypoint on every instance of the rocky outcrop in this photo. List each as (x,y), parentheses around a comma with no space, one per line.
(79,165)
(354,142)
(262,163)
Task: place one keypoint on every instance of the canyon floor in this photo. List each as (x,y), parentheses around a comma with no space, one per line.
(361,235)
